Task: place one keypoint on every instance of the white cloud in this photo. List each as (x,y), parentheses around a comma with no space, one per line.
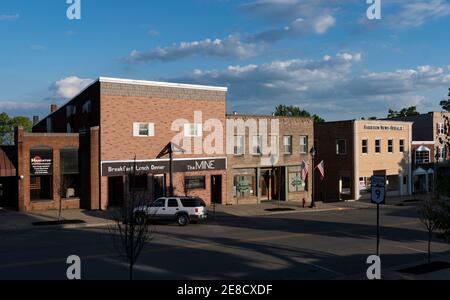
(323,23)
(328,87)
(230,47)
(69,87)
(9,17)
(416,13)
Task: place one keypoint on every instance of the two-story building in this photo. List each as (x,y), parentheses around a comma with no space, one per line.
(269,159)
(354,151)
(427,151)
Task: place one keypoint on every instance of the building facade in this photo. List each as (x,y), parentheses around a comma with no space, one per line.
(354,151)
(124,125)
(270,159)
(426,149)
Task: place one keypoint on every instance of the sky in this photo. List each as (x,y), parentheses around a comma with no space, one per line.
(324,56)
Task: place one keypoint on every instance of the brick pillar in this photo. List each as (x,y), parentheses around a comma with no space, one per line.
(21,186)
(95,170)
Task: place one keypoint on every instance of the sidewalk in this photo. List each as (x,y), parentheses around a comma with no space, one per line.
(16,221)
(253,210)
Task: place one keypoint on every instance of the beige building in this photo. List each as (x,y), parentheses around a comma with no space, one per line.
(354,151)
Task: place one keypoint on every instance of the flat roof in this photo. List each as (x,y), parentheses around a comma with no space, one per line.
(139,82)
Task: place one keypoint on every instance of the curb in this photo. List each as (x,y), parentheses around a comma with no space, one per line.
(294,212)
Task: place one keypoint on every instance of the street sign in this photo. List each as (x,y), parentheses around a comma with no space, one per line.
(378,190)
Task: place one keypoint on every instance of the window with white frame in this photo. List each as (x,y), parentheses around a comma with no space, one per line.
(441,154)
(143,129)
(377,146)
(303,144)
(257,142)
(341,147)
(239,145)
(402,146)
(422,156)
(390,146)
(193,130)
(287,145)
(441,128)
(365,146)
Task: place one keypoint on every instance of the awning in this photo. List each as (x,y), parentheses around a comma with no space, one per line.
(7,158)
(420,171)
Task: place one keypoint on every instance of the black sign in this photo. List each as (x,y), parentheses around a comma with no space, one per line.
(121,168)
(41,162)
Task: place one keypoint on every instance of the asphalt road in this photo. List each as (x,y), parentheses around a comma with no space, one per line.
(327,245)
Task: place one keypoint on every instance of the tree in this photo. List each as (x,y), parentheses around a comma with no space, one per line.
(295,111)
(129,235)
(7,125)
(405,112)
(429,216)
(446,103)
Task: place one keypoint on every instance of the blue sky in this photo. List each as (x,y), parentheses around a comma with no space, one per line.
(324,56)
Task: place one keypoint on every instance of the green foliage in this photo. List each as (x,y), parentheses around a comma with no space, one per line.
(405,112)
(295,111)
(446,103)
(7,125)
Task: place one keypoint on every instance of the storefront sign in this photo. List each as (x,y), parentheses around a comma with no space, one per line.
(383,128)
(41,162)
(243,186)
(120,168)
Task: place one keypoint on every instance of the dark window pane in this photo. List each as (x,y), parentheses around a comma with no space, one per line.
(173,203)
(69,161)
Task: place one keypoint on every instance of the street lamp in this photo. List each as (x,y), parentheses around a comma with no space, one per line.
(313,155)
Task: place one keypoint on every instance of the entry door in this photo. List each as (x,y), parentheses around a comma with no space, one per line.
(216,189)
(116,191)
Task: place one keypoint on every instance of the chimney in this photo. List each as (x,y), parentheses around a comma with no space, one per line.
(53,108)
(35,120)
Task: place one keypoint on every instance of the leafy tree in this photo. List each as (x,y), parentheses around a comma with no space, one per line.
(429,216)
(7,125)
(446,103)
(405,112)
(295,111)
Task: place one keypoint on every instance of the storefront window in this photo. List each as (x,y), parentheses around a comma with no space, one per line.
(296,183)
(70,177)
(195,182)
(41,174)
(244,183)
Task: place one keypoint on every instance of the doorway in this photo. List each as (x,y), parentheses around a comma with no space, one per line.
(8,192)
(159,187)
(216,189)
(116,191)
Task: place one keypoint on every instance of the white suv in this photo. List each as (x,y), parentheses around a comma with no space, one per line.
(182,210)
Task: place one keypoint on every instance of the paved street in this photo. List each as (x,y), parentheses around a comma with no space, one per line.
(320,245)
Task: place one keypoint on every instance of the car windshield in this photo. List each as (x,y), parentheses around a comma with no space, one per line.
(193,202)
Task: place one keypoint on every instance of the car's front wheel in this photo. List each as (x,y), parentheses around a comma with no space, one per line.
(182,220)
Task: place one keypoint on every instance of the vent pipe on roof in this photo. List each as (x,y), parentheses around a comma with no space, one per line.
(53,108)
(35,120)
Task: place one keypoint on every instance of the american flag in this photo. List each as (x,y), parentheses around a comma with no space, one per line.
(321,168)
(305,171)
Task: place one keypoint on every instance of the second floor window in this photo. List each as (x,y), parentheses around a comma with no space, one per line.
(239,145)
(288,145)
(441,128)
(402,146)
(193,130)
(390,146)
(143,129)
(365,146)
(257,142)
(303,144)
(422,157)
(378,146)
(341,147)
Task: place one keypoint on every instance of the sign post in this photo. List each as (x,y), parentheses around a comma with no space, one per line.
(378,198)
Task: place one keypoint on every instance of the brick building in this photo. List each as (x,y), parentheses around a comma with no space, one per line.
(426,149)
(267,163)
(354,151)
(82,152)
